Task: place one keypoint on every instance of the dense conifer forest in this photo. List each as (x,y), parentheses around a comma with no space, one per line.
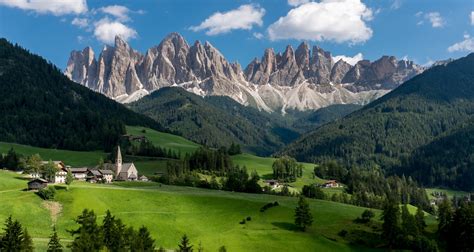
(422,129)
(42,107)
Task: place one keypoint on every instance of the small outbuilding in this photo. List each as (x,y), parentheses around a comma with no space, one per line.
(37,184)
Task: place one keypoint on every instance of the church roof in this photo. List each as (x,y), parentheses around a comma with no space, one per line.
(126,167)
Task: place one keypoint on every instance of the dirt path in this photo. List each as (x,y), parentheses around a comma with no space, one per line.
(54,209)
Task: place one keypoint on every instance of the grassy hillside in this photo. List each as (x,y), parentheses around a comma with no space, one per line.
(209,216)
(169,141)
(73,158)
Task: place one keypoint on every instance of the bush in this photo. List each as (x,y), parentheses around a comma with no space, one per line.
(342,233)
(269,205)
(47,193)
(249,218)
(242,222)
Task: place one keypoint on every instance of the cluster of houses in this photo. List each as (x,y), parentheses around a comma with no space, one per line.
(275,184)
(118,171)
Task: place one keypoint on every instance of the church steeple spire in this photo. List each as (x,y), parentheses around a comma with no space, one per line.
(118,161)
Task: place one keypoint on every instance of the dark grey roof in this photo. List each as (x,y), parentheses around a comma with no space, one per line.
(105,172)
(78,170)
(38,180)
(95,172)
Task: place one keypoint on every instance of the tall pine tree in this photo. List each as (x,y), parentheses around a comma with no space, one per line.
(303,217)
(54,244)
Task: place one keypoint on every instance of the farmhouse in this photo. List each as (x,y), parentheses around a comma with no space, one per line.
(60,176)
(331,184)
(107,175)
(37,184)
(272,183)
(79,173)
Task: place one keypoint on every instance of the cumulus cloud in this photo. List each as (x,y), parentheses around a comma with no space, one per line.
(55,7)
(297,2)
(472,17)
(351,60)
(118,11)
(243,18)
(106,30)
(467,45)
(329,20)
(80,22)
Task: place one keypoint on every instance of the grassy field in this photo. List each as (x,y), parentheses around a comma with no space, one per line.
(207,216)
(169,141)
(73,158)
(450,193)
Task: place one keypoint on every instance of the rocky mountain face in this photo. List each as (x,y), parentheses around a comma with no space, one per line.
(298,79)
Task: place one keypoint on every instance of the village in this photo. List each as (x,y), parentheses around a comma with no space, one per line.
(108,173)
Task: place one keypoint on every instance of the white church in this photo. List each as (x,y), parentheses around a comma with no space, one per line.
(124,171)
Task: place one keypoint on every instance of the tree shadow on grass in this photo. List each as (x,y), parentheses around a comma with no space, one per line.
(286,226)
(23,178)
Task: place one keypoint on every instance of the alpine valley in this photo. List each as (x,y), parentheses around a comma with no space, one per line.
(301,79)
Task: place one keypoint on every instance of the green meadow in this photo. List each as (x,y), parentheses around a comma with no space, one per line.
(208,216)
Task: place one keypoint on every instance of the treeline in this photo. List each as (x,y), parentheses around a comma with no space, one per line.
(30,164)
(369,188)
(407,231)
(110,235)
(286,169)
(42,107)
(147,149)
(236,178)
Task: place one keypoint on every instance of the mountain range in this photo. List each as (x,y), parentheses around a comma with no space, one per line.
(301,79)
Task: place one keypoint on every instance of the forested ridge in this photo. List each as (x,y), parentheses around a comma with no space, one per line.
(422,129)
(42,107)
(215,121)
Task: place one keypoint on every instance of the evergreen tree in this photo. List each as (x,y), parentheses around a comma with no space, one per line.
(185,245)
(143,241)
(12,237)
(390,227)
(222,249)
(445,215)
(460,232)
(303,217)
(15,238)
(420,219)
(26,242)
(54,244)
(88,237)
(409,224)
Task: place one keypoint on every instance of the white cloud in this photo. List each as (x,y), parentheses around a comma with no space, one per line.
(339,21)
(80,22)
(106,30)
(435,19)
(351,60)
(118,11)
(467,45)
(244,18)
(55,7)
(297,2)
(472,17)
(258,35)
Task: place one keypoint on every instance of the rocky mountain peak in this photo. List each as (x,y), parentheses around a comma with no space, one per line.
(299,79)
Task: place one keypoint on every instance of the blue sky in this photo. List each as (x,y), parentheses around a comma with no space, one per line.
(420,30)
